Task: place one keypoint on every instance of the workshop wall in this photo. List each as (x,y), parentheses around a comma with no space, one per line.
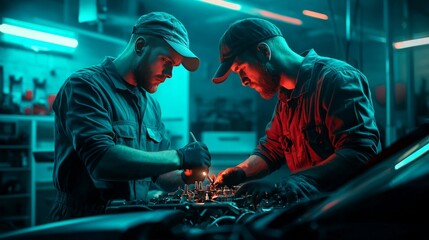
(22,68)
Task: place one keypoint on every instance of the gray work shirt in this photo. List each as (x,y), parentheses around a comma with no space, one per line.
(329,111)
(96,109)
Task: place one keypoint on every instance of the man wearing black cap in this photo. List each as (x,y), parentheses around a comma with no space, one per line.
(323,126)
(110,142)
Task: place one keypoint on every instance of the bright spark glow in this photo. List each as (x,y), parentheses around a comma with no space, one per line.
(204,173)
(223,4)
(411,43)
(283,18)
(412,157)
(37,35)
(315,14)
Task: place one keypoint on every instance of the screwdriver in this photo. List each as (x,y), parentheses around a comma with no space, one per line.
(193,137)
(204,173)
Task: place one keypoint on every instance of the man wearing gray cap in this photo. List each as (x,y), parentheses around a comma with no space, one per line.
(323,126)
(110,142)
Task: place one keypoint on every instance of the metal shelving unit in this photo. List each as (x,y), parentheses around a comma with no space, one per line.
(20,137)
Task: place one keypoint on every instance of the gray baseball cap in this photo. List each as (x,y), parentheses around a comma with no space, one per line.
(169,28)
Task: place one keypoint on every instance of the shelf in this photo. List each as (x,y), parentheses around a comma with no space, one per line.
(14,196)
(12,117)
(15,147)
(14,218)
(45,188)
(173,119)
(14,169)
(30,138)
(41,150)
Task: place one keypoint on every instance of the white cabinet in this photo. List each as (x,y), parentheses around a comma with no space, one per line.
(228,148)
(20,137)
(230,142)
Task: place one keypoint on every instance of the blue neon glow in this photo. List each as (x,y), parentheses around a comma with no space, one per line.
(412,157)
(37,35)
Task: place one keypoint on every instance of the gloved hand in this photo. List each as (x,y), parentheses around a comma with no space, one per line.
(230,177)
(257,189)
(196,174)
(194,155)
(296,188)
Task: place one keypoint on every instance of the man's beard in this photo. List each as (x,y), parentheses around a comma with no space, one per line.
(269,82)
(143,75)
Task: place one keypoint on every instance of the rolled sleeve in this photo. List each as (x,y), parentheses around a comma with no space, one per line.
(350,116)
(87,121)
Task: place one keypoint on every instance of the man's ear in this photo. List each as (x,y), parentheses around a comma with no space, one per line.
(263,51)
(138,47)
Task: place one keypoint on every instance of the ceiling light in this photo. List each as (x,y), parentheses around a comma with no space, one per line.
(38,37)
(254,11)
(411,43)
(283,18)
(223,4)
(315,14)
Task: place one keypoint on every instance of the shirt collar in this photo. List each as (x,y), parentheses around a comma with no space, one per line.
(304,75)
(117,80)
(114,76)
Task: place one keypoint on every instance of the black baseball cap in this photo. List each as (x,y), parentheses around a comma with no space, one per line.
(169,28)
(237,38)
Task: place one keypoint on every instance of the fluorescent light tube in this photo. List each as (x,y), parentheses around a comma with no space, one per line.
(37,35)
(315,14)
(411,43)
(280,17)
(223,4)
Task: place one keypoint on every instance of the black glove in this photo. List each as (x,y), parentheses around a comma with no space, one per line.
(294,188)
(230,177)
(194,155)
(196,174)
(257,189)
(297,188)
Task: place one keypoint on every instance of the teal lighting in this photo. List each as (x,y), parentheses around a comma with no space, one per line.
(415,155)
(37,37)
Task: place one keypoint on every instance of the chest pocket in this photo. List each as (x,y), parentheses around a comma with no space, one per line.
(125,134)
(154,139)
(153,135)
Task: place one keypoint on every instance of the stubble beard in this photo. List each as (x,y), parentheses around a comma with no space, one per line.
(143,76)
(270,82)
